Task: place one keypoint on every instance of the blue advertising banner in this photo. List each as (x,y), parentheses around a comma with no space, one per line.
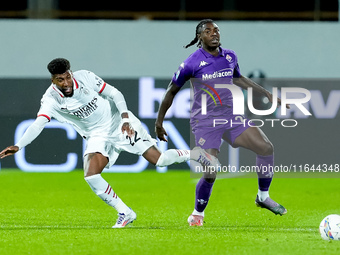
(299,139)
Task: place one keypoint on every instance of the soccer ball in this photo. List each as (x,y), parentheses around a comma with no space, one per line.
(330,227)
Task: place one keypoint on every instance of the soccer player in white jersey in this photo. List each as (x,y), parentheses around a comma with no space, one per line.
(99,113)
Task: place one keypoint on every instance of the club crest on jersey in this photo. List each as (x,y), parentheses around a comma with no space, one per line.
(84,90)
(229,58)
(201,141)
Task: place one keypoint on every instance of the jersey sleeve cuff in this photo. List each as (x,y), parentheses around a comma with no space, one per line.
(44,115)
(101,90)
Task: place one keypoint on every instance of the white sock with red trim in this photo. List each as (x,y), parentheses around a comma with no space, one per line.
(106,193)
(172,156)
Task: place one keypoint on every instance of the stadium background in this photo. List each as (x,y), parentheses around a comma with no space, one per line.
(141,47)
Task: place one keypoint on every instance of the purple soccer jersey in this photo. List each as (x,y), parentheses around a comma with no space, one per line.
(204,71)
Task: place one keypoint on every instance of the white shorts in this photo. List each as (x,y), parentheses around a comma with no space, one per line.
(111,146)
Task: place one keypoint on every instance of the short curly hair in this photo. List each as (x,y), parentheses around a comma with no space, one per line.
(58,66)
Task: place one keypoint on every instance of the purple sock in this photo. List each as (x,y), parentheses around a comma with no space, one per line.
(265,174)
(203,192)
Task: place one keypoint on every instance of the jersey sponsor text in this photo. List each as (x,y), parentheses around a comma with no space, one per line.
(217,74)
(85,111)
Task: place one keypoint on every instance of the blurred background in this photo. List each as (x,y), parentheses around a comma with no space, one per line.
(308,10)
(138,46)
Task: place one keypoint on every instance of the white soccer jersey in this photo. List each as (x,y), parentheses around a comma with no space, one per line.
(88,111)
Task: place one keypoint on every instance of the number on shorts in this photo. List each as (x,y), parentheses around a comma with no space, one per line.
(135,139)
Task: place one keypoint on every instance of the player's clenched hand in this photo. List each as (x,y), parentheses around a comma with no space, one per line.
(10,150)
(160,133)
(126,127)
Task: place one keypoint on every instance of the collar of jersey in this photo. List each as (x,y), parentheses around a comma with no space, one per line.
(75,86)
(208,55)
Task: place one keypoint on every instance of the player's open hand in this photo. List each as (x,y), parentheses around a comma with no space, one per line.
(126,127)
(160,133)
(10,150)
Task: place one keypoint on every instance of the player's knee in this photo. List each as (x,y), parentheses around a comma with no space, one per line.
(267,149)
(210,177)
(94,164)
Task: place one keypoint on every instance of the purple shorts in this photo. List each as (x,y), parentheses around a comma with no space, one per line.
(210,132)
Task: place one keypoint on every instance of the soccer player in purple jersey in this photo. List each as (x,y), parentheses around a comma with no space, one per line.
(209,65)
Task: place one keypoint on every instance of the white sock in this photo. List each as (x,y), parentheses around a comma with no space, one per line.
(198,213)
(262,195)
(106,193)
(172,156)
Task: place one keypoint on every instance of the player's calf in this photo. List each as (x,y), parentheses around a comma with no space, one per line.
(204,158)
(173,156)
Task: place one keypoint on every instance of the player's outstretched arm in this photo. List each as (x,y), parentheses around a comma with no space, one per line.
(30,134)
(163,108)
(10,150)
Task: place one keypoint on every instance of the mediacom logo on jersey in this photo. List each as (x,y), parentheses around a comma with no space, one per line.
(239,102)
(218,74)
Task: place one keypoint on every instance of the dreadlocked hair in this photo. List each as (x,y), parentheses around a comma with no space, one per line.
(198,31)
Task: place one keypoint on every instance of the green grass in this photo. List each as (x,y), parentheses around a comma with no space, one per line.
(57,213)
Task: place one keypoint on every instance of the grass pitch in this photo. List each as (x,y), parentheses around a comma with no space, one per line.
(57,213)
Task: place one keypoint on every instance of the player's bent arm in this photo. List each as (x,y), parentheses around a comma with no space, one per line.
(120,102)
(245,83)
(32,131)
(117,97)
(166,103)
